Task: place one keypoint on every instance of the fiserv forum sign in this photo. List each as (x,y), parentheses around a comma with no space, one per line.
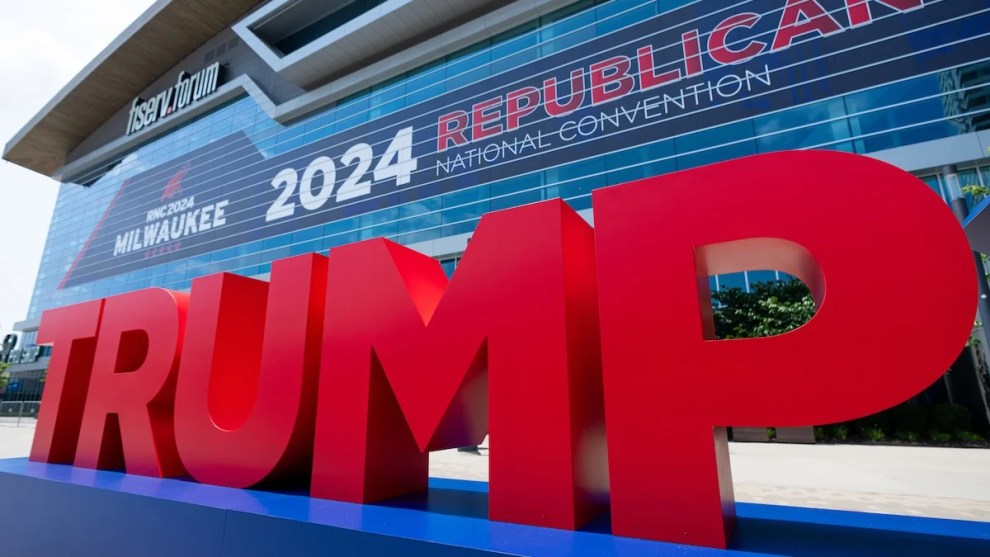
(187,90)
(570,345)
(701,65)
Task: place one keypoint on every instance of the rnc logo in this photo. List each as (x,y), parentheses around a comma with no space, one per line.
(587,353)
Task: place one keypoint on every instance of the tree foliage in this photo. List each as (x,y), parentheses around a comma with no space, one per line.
(978,192)
(770,308)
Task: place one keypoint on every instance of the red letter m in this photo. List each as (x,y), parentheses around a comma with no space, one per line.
(412,364)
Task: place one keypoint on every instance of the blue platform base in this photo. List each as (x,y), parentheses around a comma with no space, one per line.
(50,510)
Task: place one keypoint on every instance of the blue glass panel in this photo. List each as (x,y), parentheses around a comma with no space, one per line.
(139,284)
(580,203)
(886,95)
(529,184)
(469,197)
(468,67)
(465,227)
(448,266)
(319,126)
(667,5)
(264,135)
(617,14)
(223,255)
(761,276)
(916,134)
(846,146)
(774,128)
(428,211)
(565,33)
(900,116)
(718,154)
(276,241)
(290,137)
(312,246)
(340,226)
(249,260)
(576,179)
(640,162)
(352,111)
(378,224)
(618,160)
(427,83)
(221,127)
(575,170)
(341,239)
(647,170)
(732,280)
(810,136)
(275,253)
(387,97)
(463,208)
(714,136)
(307,234)
(933,183)
(241,118)
(423,235)
(515,52)
(517,199)
(420,223)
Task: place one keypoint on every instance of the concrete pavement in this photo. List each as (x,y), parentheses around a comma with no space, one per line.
(16,441)
(916,481)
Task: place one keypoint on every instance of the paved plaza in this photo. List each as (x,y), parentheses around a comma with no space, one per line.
(916,481)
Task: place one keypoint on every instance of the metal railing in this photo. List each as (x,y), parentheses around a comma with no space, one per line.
(20,395)
(19,412)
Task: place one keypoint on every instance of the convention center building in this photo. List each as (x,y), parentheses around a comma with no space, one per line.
(220,135)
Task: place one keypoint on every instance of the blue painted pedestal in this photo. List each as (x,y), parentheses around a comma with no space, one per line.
(52,510)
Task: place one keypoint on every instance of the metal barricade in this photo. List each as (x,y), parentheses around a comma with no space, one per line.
(21,397)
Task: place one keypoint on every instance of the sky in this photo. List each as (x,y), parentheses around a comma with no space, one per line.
(43,44)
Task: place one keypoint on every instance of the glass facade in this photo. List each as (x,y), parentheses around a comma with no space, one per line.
(908,111)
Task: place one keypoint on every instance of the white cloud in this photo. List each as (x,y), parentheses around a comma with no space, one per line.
(43,45)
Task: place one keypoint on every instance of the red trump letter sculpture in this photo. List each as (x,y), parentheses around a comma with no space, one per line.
(549,335)
(892,276)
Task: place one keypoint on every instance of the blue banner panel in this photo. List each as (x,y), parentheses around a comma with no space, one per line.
(695,67)
(50,510)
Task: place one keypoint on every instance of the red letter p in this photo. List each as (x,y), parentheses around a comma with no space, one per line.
(892,276)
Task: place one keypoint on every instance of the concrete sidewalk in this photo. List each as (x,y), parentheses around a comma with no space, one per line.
(15,441)
(916,481)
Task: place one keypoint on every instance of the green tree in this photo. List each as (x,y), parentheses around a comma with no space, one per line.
(4,376)
(978,192)
(769,308)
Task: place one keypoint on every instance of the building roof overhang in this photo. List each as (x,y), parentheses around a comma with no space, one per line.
(164,34)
